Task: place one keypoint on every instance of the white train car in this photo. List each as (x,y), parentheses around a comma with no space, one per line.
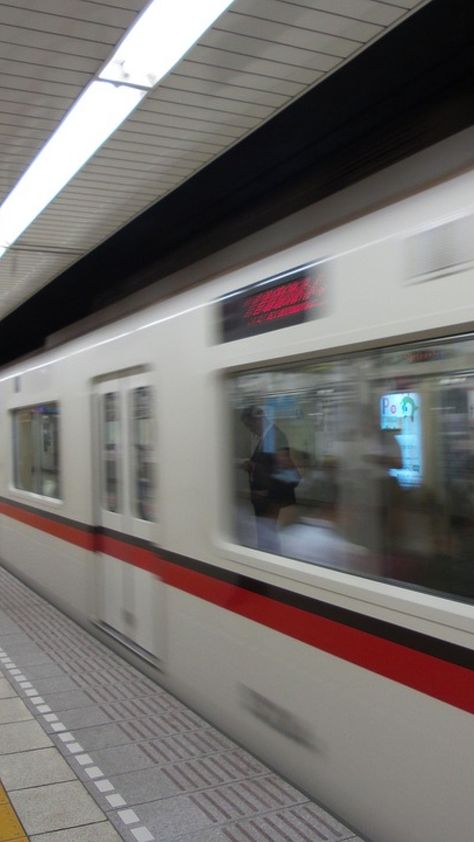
(261,488)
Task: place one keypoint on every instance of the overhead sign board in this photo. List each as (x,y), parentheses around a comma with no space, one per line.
(280,301)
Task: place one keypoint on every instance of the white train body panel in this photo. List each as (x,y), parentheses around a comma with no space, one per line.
(393,762)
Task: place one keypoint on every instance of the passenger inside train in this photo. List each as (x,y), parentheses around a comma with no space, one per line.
(273,476)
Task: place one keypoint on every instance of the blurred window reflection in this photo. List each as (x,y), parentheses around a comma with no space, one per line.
(364,464)
(36,449)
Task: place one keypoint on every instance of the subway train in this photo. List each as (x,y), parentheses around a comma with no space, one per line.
(258,485)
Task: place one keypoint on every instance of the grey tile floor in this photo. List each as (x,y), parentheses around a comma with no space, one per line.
(91,750)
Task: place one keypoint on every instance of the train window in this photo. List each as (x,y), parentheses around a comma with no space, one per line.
(142,478)
(36,449)
(111,452)
(364,464)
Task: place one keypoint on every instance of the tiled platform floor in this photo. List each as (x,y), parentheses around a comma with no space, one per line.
(93,751)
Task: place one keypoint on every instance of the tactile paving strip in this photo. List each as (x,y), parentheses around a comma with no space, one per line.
(155,768)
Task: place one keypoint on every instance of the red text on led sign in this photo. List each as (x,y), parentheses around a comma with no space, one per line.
(282,301)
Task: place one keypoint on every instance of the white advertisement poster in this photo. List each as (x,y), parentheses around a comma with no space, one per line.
(401,412)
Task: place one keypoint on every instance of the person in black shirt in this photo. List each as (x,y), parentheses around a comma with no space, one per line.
(272,476)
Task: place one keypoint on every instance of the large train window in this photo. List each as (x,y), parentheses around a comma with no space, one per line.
(364,464)
(36,449)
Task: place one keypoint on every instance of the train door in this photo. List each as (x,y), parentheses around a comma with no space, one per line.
(127,595)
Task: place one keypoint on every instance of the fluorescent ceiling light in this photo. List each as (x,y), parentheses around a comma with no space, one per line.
(163,33)
(92,119)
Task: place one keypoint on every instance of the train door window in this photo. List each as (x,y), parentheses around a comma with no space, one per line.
(111,457)
(364,464)
(36,449)
(142,453)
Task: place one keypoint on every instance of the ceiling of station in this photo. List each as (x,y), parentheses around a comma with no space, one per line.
(257,58)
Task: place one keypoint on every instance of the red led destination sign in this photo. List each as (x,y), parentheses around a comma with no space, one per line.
(273,304)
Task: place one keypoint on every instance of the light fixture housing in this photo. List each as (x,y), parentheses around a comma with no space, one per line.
(100,109)
(161,35)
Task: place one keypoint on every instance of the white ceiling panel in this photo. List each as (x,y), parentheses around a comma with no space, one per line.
(194,75)
(370,11)
(85,11)
(21,85)
(257,46)
(68,27)
(166,142)
(255,60)
(241,102)
(191,127)
(130,5)
(252,63)
(205,110)
(302,26)
(35,58)
(62,43)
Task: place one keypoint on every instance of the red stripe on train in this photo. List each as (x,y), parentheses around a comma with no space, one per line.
(438,678)
(433,676)
(72,534)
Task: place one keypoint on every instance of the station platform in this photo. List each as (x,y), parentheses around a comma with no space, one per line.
(92,750)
